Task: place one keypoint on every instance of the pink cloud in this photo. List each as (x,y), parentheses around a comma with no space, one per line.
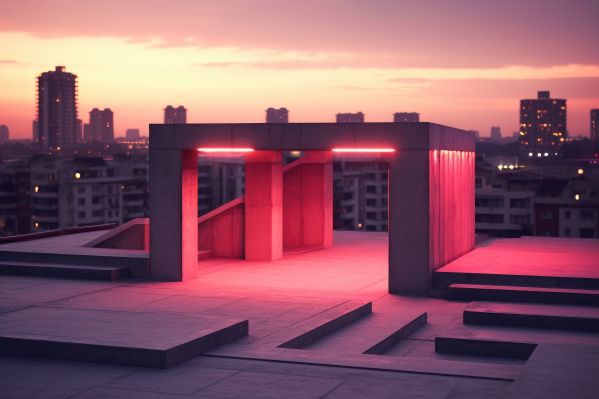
(437,33)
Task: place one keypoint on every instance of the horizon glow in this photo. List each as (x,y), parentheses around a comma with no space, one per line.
(378,58)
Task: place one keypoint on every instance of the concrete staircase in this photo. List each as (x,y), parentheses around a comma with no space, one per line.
(518,288)
(109,267)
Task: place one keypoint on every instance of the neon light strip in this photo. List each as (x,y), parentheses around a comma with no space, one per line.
(363,150)
(225,149)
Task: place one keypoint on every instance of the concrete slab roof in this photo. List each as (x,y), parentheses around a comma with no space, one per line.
(312,136)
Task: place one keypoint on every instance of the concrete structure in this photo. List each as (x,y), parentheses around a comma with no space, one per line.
(132,134)
(86,191)
(4,134)
(406,117)
(542,127)
(495,134)
(431,189)
(348,117)
(356,341)
(277,115)
(56,109)
(101,125)
(595,125)
(175,115)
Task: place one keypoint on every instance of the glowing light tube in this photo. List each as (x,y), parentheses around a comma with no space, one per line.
(225,149)
(363,150)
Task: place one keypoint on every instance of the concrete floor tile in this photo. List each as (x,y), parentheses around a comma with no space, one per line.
(183,379)
(57,379)
(405,389)
(115,393)
(269,385)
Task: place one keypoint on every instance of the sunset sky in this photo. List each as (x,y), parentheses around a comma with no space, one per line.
(464,63)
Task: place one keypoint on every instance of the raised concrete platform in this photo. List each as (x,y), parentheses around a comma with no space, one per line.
(70,250)
(110,273)
(526,261)
(569,318)
(162,340)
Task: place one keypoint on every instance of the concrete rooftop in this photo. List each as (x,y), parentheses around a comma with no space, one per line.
(285,302)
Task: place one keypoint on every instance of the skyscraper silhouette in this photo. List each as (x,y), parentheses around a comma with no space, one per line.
(101,125)
(175,115)
(56,109)
(274,115)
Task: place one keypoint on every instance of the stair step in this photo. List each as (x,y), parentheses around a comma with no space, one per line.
(311,330)
(533,316)
(511,293)
(483,347)
(372,334)
(442,279)
(109,273)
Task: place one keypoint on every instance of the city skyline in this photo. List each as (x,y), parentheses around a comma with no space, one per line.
(424,58)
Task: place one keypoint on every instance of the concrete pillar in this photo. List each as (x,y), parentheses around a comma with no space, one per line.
(263,206)
(308,201)
(409,222)
(173,214)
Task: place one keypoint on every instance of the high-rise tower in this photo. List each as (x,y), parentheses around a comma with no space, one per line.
(175,115)
(56,109)
(542,126)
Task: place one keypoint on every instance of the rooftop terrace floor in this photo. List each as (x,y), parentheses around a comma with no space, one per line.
(281,300)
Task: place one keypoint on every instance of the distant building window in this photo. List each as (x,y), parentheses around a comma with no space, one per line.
(371,215)
(587,215)
(370,228)
(488,202)
(547,215)
(371,202)
(81,215)
(371,189)
(109,189)
(567,214)
(488,218)
(519,203)
(519,219)
(98,213)
(587,233)
(567,232)
(81,189)
(384,202)
(348,196)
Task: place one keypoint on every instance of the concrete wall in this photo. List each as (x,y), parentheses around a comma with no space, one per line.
(222,230)
(451,205)
(308,201)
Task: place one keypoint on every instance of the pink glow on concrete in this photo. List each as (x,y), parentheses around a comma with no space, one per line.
(308,201)
(531,256)
(221,231)
(225,150)
(189,212)
(451,205)
(363,150)
(263,206)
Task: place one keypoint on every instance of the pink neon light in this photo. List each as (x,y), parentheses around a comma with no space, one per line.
(225,149)
(363,150)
